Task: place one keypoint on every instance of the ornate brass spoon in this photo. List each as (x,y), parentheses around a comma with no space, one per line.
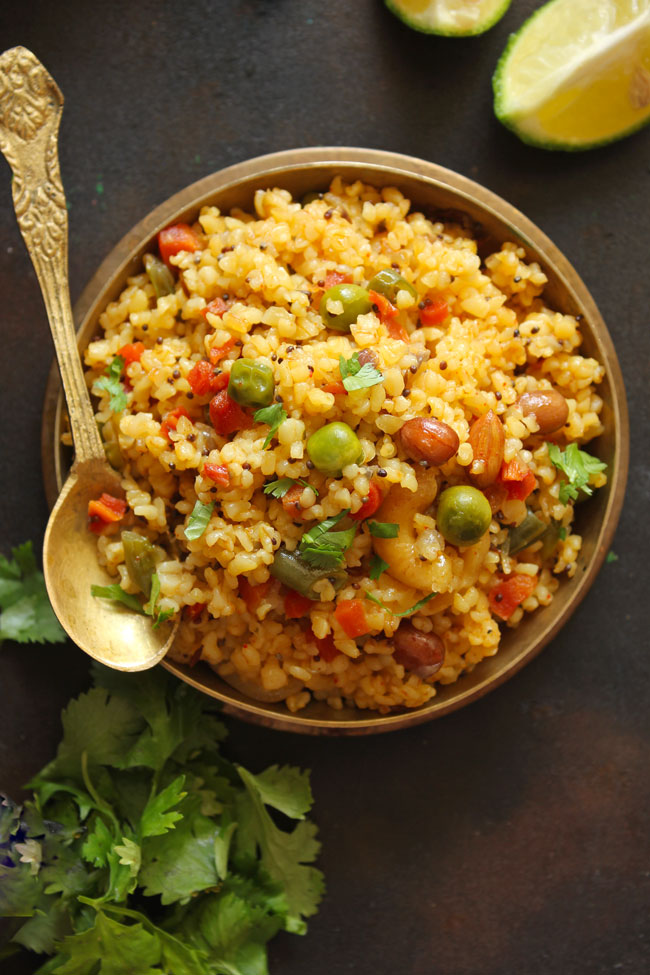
(30,112)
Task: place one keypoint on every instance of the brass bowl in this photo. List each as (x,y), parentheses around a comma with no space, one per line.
(432,188)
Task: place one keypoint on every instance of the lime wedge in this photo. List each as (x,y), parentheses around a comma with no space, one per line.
(452,18)
(577,74)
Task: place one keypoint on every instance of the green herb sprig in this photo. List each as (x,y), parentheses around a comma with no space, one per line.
(324,548)
(110,383)
(578,466)
(274,415)
(357,376)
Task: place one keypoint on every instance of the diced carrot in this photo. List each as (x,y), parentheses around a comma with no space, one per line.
(194,611)
(326,649)
(203,379)
(170,421)
(217,473)
(291,502)
(295,605)
(433,311)
(332,278)
(351,614)
(219,352)
(370,506)
(335,388)
(105,510)
(175,239)
(218,307)
(509,593)
(252,595)
(388,316)
(132,352)
(517,478)
(227,416)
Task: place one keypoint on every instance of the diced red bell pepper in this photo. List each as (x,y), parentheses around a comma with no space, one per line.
(105,510)
(219,352)
(253,595)
(132,352)
(218,307)
(351,614)
(195,611)
(433,311)
(291,502)
(336,388)
(170,421)
(518,479)
(217,473)
(227,416)
(175,239)
(203,380)
(296,606)
(370,506)
(509,593)
(327,651)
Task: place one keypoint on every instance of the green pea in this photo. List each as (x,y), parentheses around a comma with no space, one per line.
(251,383)
(292,571)
(389,282)
(333,447)
(464,514)
(355,300)
(160,276)
(140,560)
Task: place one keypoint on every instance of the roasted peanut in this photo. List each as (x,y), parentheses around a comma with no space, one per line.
(548,406)
(487,440)
(430,440)
(421,653)
(368,357)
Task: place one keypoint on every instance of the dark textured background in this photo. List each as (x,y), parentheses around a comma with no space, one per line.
(507,838)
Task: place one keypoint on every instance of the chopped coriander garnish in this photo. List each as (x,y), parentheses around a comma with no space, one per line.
(561,532)
(377,566)
(323,548)
(406,612)
(356,376)
(198,520)
(110,382)
(383,529)
(578,466)
(151,608)
(611,557)
(25,612)
(278,489)
(273,415)
(118,595)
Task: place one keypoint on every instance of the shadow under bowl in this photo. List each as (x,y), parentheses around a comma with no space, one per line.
(439,192)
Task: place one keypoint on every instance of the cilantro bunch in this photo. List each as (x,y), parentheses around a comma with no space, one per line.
(145,850)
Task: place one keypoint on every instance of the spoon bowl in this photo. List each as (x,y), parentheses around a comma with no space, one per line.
(30,112)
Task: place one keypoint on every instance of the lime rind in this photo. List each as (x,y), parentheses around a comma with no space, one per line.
(515,124)
(428,23)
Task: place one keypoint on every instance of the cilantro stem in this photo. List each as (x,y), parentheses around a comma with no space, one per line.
(100,805)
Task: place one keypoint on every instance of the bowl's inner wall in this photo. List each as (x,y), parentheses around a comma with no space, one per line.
(436,199)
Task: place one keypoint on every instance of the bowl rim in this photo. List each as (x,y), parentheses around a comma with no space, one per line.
(264,169)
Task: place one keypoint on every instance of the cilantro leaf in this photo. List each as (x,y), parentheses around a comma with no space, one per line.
(285,855)
(611,557)
(26,615)
(118,948)
(377,566)
(278,489)
(356,376)
(383,529)
(323,548)
(406,612)
(274,415)
(198,520)
(118,595)
(110,383)
(286,789)
(578,466)
(156,818)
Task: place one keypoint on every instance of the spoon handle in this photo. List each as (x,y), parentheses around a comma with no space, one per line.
(30,112)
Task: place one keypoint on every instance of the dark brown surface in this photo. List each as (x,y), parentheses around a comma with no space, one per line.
(510,837)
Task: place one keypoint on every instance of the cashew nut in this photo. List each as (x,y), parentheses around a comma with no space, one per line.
(404,563)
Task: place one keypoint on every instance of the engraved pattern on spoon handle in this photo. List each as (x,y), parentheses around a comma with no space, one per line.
(30,113)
